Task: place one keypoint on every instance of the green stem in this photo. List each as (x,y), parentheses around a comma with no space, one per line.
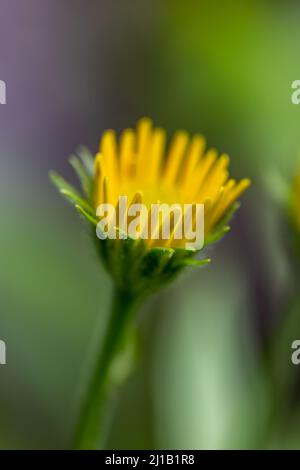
(91,429)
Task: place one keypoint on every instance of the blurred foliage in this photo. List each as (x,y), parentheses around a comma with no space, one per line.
(204,379)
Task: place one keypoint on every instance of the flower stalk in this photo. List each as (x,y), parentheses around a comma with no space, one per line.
(92,427)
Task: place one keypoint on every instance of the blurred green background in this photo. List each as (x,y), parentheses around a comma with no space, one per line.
(74,68)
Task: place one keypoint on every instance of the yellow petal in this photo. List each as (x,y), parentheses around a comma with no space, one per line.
(143,142)
(178,147)
(194,154)
(109,152)
(127,153)
(156,154)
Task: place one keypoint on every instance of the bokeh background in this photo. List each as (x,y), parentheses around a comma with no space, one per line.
(215,371)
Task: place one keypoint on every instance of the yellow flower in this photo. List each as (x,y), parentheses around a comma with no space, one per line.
(139,167)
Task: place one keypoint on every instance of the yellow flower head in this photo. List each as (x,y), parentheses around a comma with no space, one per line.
(140,167)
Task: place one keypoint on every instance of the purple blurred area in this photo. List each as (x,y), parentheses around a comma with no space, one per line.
(72,68)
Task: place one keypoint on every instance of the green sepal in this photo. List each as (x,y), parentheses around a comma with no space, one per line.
(197,262)
(61,183)
(87,159)
(88,215)
(155,261)
(229,214)
(76,199)
(70,193)
(86,180)
(277,185)
(218,235)
(222,227)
